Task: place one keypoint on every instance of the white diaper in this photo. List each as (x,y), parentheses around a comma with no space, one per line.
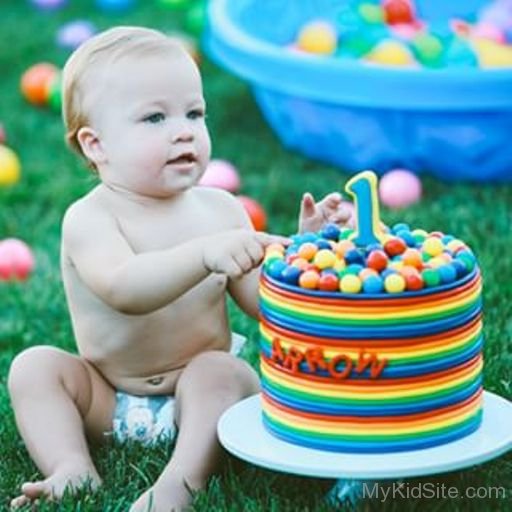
(150,419)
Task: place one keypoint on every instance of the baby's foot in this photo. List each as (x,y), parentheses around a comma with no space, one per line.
(164,496)
(53,487)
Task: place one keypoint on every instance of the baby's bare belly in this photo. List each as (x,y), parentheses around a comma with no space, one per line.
(148,355)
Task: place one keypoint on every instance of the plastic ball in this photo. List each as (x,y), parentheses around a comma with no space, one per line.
(371,13)
(467,258)
(431,277)
(115,5)
(309,279)
(221,174)
(447,273)
(35,82)
(307,250)
(49,4)
(378,260)
(350,283)
(330,231)
(373,284)
(398,11)
(54,92)
(16,259)
(300,263)
(428,50)
(291,274)
(255,211)
(460,267)
(391,53)
(412,257)
(491,54)
(433,246)
(318,37)
(343,247)
(399,188)
(414,282)
(324,259)
(394,247)
(73,34)
(10,167)
(275,268)
(328,282)
(394,283)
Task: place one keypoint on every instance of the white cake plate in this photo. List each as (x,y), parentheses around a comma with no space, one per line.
(242,433)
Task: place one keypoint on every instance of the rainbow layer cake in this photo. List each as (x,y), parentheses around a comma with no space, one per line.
(371,348)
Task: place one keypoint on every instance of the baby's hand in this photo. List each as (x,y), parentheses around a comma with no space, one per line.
(313,216)
(238,251)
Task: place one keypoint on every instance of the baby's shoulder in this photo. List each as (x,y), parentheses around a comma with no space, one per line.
(218,199)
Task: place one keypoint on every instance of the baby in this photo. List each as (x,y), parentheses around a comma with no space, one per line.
(147,258)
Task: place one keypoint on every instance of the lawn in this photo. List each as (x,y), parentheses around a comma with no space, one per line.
(34,312)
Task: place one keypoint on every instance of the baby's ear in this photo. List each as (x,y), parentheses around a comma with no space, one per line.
(91,145)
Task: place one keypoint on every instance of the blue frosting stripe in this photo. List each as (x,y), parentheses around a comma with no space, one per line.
(316,405)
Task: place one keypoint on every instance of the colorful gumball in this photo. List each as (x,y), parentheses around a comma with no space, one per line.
(309,279)
(221,174)
(318,37)
(255,211)
(399,188)
(16,259)
(10,167)
(35,82)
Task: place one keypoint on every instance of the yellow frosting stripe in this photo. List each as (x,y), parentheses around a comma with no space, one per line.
(391,354)
(336,427)
(339,391)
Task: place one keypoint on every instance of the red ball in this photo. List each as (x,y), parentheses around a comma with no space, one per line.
(377,260)
(16,259)
(328,283)
(395,246)
(255,211)
(414,281)
(398,11)
(35,82)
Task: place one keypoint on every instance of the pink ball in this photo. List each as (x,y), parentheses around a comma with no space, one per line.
(221,174)
(16,259)
(399,188)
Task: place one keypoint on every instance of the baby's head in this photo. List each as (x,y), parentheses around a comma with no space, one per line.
(132,101)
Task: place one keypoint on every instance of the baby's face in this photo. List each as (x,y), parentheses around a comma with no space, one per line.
(150,120)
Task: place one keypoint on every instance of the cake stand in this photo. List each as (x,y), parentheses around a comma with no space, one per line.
(242,433)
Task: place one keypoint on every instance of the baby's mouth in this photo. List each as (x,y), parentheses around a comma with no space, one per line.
(185,158)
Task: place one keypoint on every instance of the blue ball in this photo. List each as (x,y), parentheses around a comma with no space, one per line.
(275,268)
(291,274)
(407,237)
(447,239)
(354,268)
(323,244)
(373,284)
(309,237)
(448,273)
(460,267)
(354,256)
(292,249)
(330,231)
(387,272)
(401,226)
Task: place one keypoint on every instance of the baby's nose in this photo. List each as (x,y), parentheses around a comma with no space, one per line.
(182,133)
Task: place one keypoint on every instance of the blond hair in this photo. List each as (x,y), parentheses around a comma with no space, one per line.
(101,51)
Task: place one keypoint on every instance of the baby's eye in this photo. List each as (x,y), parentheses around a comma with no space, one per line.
(197,113)
(157,117)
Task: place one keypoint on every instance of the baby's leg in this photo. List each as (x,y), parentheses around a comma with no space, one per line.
(210,384)
(58,398)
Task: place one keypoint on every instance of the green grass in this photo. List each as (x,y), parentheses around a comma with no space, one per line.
(35,312)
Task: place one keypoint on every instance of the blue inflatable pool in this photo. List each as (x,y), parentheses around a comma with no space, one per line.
(453,123)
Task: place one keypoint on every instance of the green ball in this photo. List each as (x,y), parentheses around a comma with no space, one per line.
(428,49)
(345,234)
(54,93)
(371,13)
(431,277)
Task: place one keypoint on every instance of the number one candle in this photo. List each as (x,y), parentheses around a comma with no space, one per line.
(363,188)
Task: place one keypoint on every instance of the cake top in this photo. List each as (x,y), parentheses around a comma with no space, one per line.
(371,259)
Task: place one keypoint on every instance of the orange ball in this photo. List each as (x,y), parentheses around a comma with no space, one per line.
(35,82)
(309,279)
(255,211)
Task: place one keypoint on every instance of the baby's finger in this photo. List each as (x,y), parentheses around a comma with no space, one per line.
(267,239)
(243,261)
(331,200)
(255,252)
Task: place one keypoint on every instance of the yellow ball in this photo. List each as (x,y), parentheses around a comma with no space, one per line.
(394,283)
(350,284)
(391,53)
(433,246)
(273,255)
(339,265)
(10,167)
(324,258)
(318,37)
